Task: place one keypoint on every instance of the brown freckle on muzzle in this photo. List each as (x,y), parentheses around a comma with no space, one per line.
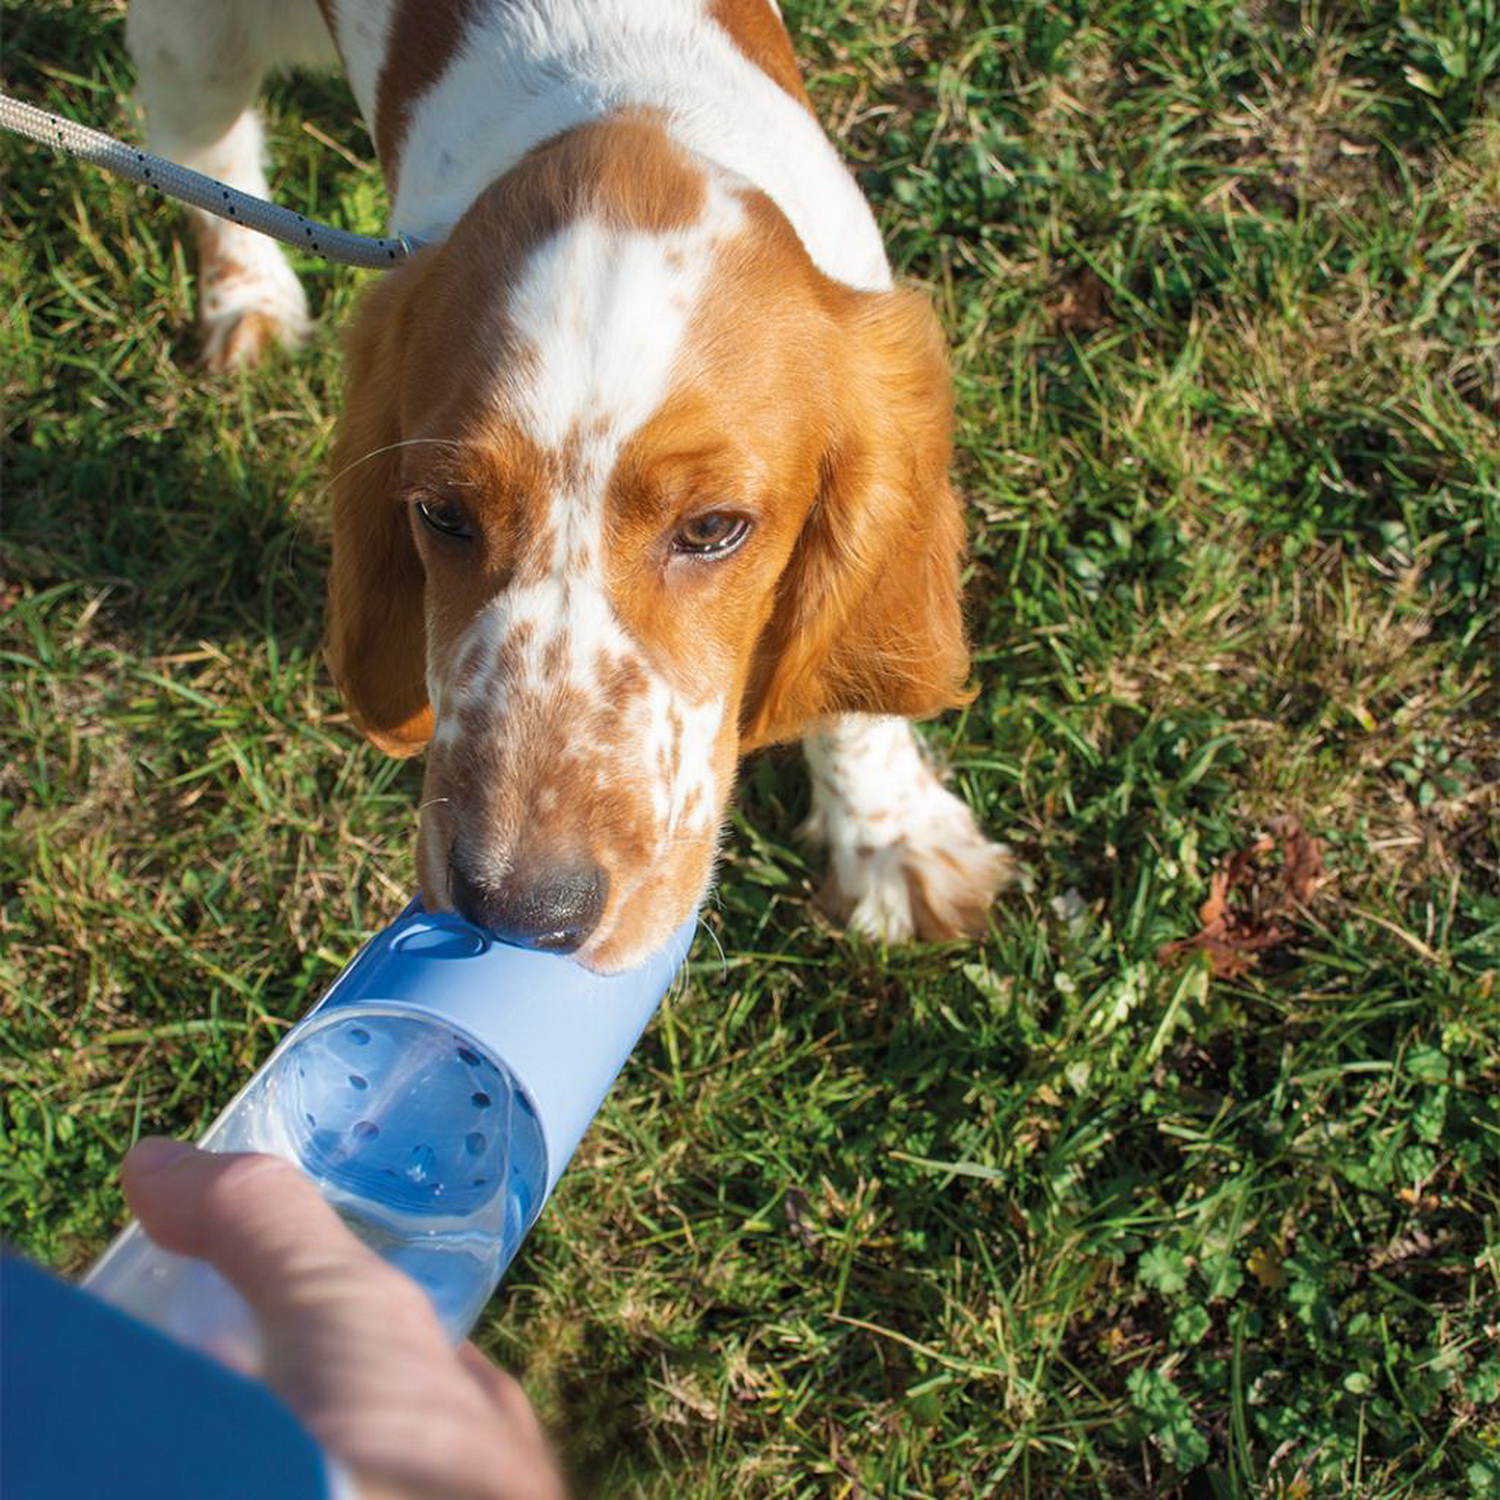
(474,718)
(511,656)
(604,725)
(472,661)
(565,465)
(483,688)
(669,762)
(621,680)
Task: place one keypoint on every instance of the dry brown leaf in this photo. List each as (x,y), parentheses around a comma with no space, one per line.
(1252,907)
(1078,305)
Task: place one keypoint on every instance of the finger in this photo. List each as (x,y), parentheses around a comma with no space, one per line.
(336,1320)
(503,1391)
(352,1345)
(505,1394)
(257,1219)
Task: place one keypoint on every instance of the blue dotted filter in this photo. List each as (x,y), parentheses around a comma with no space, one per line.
(387,1106)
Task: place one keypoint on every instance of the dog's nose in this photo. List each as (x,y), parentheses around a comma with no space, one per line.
(553,905)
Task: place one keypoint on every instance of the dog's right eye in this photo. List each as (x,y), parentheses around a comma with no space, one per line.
(446,517)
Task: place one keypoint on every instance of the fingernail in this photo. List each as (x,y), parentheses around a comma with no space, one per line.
(155,1153)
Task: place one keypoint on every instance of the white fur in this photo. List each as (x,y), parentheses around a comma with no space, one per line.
(362,30)
(886,819)
(604,312)
(600,315)
(530,69)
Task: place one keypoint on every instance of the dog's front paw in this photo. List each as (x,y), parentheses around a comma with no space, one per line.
(905,856)
(249,300)
(242,341)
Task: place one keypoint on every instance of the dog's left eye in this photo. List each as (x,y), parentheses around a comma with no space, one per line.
(445,517)
(713,534)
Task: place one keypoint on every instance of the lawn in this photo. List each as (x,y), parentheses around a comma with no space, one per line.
(1054,1214)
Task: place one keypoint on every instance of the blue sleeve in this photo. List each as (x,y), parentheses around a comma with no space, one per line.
(95,1406)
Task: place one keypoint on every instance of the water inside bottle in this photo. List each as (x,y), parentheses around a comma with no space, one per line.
(457,1271)
(425,1145)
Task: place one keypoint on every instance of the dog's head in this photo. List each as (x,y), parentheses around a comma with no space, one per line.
(624,487)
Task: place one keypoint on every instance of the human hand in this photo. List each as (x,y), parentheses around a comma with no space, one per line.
(350,1344)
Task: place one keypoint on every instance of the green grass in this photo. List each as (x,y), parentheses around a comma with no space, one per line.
(1037,1216)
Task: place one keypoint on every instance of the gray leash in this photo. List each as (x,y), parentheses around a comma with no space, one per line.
(207,193)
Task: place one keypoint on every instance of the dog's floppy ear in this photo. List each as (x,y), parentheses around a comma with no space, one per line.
(866,618)
(375,643)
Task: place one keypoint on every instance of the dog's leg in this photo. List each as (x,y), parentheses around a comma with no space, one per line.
(905,856)
(200,64)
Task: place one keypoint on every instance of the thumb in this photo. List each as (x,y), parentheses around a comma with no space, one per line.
(257,1219)
(352,1345)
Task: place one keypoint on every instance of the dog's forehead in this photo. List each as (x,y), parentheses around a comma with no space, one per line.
(598,322)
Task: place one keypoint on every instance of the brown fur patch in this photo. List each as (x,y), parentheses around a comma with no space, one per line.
(622,681)
(423,38)
(215,262)
(218,267)
(247,343)
(512,653)
(626,168)
(757,31)
(470,662)
(965,914)
(867,617)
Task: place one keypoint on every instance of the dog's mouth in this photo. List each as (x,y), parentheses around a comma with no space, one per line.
(551,904)
(607,920)
(561,818)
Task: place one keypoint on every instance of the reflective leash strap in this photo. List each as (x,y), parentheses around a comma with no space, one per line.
(213,197)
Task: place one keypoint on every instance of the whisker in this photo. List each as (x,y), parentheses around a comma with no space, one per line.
(713,937)
(388,448)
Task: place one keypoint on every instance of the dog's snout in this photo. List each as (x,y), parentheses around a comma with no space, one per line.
(553,905)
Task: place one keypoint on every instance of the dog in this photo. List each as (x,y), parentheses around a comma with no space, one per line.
(643,458)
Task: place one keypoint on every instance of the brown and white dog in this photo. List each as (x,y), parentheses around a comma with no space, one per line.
(642,465)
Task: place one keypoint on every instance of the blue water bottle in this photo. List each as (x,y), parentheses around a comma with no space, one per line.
(434,1095)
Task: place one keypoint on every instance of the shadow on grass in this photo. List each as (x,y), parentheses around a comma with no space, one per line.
(129,469)
(185,549)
